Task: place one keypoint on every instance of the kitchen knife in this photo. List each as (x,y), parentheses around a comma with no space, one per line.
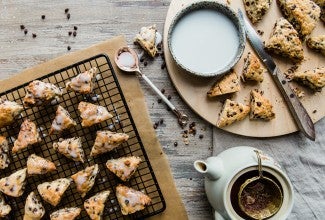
(297,110)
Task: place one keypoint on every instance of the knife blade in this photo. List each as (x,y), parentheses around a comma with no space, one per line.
(297,110)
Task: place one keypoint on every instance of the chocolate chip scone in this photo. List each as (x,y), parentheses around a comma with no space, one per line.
(321,4)
(83,82)
(92,114)
(147,39)
(317,43)
(256,9)
(314,79)
(302,14)
(9,111)
(14,185)
(66,214)
(4,153)
(70,148)
(284,41)
(229,83)
(34,210)
(95,205)
(231,112)
(123,167)
(52,192)
(253,69)
(261,107)
(39,165)
(4,207)
(62,121)
(85,179)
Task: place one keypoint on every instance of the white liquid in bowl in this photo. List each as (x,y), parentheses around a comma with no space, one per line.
(205,41)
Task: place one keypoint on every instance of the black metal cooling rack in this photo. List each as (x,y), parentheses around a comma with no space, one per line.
(107,92)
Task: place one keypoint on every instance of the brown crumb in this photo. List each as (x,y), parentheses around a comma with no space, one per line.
(299,92)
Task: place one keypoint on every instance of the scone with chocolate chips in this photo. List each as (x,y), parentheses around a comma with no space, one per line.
(4,207)
(52,192)
(261,107)
(284,41)
(124,167)
(83,82)
(34,209)
(95,205)
(147,39)
(256,9)
(92,114)
(229,83)
(70,148)
(317,43)
(321,4)
(66,214)
(231,112)
(14,185)
(4,153)
(85,179)
(62,121)
(39,165)
(253,69)
(314,79)
(9,111)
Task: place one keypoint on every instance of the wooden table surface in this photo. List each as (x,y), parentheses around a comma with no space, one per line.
(96,21)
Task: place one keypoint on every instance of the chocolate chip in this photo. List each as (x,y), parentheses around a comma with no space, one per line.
(141,59)
(201,136)
(155,126)
(74,33)
(145,63)
(161,121)
(169,97)
(258,104)
(162,91)
(292,95)
(126,202)
(25,31)
(69,48)
(43,17)
(75,28)
(68,16)
(284,82)
(163,65)
(175,144)
(66,10)
(22,27)
(70,33)
(34,35)
(159,100)
(314,111)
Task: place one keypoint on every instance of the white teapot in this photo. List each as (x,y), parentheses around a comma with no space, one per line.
(227,172)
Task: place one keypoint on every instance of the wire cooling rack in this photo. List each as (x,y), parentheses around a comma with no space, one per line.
(107,92)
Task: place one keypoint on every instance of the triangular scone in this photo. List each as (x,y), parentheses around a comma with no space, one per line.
(106,141)
(124,167)
(231,112)
(4,207)
(41,93)
(62,121)
(284,41)
(302,14)
(66,214)
(85,179)
(317,43)
(4,151)
(131,200)
(256,9)
(28,135)
(71,148)
(34,209)
(92,114)
(229,83)
(9,111)
(147,39)
(95,205)
(39,165)
(314,79)
(261,108)
(253,69)
(14,185)
(83,82)
(52,192)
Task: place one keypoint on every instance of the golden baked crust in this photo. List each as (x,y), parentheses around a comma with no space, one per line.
(261,108)
(39,165)
(4,153)
(85,179)
(302,14)
(28,135)
(95,205)
(52,192)
(131,200)
(4,207)
(66,214)
(147,39)
(9,111)
(83,82)
(106,141)
(285,42)
(317,43)
(314,79)
(253,69)
(62,121)
(71,148)
(231,112)
(227,84)
(34,209)
(123,167)
(14,185)
(256,9)
(92,114)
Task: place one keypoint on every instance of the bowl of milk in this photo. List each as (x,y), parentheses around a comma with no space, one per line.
(206,38)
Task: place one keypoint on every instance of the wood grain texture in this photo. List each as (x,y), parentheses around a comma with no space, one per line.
(96,21)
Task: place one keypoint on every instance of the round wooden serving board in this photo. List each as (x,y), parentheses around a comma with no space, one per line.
(193,89)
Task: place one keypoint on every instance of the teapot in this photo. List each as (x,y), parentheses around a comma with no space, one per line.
(228,171)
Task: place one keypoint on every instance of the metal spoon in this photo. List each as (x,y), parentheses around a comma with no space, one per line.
(127,60)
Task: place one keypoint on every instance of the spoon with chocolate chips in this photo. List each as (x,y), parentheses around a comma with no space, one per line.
(127,60)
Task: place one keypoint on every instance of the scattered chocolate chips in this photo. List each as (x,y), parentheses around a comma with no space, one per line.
(175,144)
(25,31)
(66,10)
(34,35)
(43,17)
(75,28)
(69,48)
(68,16)
(74,33)
(22,27)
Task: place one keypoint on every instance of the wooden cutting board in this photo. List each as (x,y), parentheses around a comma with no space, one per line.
(193,89)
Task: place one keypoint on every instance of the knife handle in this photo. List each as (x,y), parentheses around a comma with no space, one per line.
(297,110)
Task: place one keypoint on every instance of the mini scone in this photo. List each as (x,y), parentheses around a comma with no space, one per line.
(62,121)
(66,214)
(34,209)
(95,205)
(4,207)
(52,192)
(92,114)
(83,82)
(39,165)
(302,14)
(314,79)
(256,9)
(147,39)
(253,69)
(284,41)
(106,141)
(123,167)
(41,93)
(261,108)
(227,84)
(28,135)
(14,185)
(131,200)
(85,179)
(321,4)
(70,148)
(4,150)
(9,111)
(231,112)
(317,43)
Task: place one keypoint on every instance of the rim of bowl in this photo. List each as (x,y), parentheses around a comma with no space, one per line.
(227,11)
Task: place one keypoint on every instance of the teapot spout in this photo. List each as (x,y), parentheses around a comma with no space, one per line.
(211,168)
